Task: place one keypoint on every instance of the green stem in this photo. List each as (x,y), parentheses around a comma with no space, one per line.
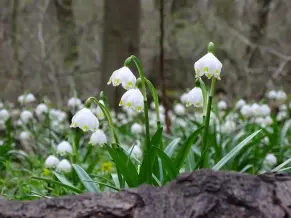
(148,143)
(108,117)
(156,101)
(204,150)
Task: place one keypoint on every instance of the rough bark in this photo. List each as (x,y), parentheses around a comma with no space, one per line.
(120,40)
(200,194)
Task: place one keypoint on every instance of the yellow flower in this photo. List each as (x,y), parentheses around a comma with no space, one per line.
(106,167)
(46,172)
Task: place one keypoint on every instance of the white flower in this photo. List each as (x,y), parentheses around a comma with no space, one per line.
(98,138)
(161,109)
(136,128)
(281,96)
(25,136)
(132,98)
(74,102)
(246,111)
(281,115)
(4,115)
(265,110)
(195,98)
(27,98)
(41,109)
(123,76)
(179,109)
(222,105)
(283,107)
(64,148)
(228,127)
(85,120)
(64,166)
(272,94)
(208,65)
(271,159)
(268,121)
(184,98)
(240,103)
(26,116)
(51,162)
(255,109)
(57,115)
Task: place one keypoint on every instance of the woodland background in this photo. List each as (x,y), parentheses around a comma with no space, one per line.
(55,47)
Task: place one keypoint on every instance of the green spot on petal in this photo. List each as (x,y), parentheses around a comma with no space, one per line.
(85,128)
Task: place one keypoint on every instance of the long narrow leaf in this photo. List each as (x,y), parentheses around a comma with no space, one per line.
(278,168)
(185,148)
(234,151)
(85,179)
(172,146)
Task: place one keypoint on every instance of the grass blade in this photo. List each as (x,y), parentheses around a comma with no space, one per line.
(85,179)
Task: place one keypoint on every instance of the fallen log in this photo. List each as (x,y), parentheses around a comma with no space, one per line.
(200,194)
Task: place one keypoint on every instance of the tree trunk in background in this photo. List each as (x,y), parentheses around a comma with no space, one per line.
(68,37)
(254,54)
(120,40)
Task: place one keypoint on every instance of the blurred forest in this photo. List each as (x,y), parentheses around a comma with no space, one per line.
(53,47)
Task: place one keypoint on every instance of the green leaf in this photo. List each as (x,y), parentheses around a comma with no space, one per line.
(85,179)
(124,165)
(172,146)
(157,137)
(168,164)
(234,151)
(278,168)
(72,188)
(185,148)
(63,179)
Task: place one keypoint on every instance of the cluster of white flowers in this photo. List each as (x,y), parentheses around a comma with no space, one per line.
(260,114)
(133,97)
(63,166)
(26,98)
(277,95)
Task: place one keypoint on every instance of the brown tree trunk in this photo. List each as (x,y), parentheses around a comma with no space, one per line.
(201,194)
(120,40)
(69,45)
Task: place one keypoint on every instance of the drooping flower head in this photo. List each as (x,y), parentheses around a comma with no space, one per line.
(133,98)
(136,128)
(51,162)
(209,66)
(98,138)
(195,98)
(85,120)
(27,98)
(64,148)
(179,109)
(123,76)
(64,166)
(4,115)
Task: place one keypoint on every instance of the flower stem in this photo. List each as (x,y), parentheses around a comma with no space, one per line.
(204,149)
(156,101)
(107,115)
(148,143)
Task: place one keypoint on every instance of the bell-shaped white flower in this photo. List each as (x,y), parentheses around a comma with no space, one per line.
(195,98)
(74,102)
(133,98)
(264,110)
(51,162)
(4,115)
(240,103)
(255,109)
(179,109)
(25,136)
(268,121)
(85,120)
(209,66)
(27,98)
(98,138)
(64,148)
(123,76)
(246,111)
(26,116)
(270,160)
(228,127)
(41,109)
(222,105)
(64,166)
(184,98)
(272,94)
(281,96)
(136,128)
